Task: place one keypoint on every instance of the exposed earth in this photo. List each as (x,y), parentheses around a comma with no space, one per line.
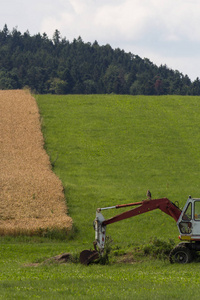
(31,198)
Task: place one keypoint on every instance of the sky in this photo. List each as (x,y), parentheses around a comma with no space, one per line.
(164,31)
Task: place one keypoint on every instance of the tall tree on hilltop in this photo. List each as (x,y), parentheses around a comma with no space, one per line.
(56,37)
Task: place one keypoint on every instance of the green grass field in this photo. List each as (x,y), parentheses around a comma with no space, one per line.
(111,149)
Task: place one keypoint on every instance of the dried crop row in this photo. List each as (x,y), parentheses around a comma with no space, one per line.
(31,199)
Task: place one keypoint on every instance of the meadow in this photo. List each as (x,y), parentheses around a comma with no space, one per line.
(108,150)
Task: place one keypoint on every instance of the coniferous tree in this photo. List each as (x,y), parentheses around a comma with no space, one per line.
(59,66)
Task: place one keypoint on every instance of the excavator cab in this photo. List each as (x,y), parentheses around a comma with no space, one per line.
(189,221)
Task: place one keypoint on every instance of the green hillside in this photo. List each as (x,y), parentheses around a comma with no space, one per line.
(112,148)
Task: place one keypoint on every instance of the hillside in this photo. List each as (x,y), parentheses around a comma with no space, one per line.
(32,199)
(113,148)
(59,66)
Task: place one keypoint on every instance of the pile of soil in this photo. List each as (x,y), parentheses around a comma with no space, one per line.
(31,197)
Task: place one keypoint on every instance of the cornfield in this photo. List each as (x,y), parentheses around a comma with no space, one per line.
(31,198)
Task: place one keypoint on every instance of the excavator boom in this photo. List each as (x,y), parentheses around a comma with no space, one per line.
(144,206)
(163,204)
(187,220)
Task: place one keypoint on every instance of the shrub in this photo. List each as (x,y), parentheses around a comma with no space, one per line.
(158,248)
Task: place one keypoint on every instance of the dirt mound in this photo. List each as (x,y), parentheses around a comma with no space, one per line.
(31,198)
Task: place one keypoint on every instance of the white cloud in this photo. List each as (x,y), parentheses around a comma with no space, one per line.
(79,6)
(127,20)
(180,20)
(173,20)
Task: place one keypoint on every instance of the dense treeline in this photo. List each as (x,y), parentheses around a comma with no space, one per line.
(62,67)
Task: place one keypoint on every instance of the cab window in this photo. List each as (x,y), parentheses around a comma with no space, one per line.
(188,213)
(197,210)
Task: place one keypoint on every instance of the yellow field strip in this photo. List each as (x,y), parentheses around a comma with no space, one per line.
(31,195)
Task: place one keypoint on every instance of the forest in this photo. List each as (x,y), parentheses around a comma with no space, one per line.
(57,66)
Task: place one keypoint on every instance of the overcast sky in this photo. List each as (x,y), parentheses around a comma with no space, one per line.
(165,31)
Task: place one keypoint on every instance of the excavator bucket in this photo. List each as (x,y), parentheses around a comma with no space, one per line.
(88,256)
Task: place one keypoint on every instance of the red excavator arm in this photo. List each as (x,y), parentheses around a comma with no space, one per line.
(163,204)
(144,206)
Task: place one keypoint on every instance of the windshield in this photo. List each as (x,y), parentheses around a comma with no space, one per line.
(188,213)
(197,210)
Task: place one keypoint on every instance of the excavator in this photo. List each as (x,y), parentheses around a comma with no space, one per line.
(187,220)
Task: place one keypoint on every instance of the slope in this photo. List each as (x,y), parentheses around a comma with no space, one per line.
(111,149)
